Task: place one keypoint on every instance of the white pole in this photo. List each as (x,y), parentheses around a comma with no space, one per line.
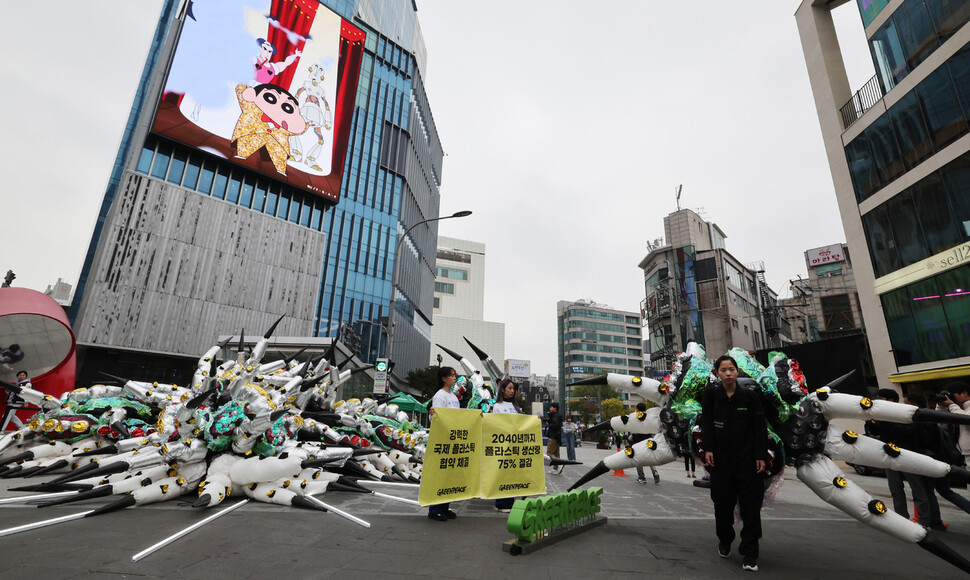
(45,523)
(186,531)
(342,514)
(26,498)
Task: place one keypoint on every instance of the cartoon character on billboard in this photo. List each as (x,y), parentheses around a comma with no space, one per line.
(264,71)
(269,116)
(316,110)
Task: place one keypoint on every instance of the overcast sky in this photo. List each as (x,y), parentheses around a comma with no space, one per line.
(566,131)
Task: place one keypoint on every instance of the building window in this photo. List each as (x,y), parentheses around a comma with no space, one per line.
(745,329)
(837,312)
(757,340)
(706,269)
(826,270)
(453,273)
(437,302)
(444,287)
(734,323)
(452,256)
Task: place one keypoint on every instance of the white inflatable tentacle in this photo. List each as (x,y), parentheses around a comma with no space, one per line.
(652,452)
(636,423)
(842,406)
(647,388)
(850,447)
(824,477)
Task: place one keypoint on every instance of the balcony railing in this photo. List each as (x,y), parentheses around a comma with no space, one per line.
(861,101)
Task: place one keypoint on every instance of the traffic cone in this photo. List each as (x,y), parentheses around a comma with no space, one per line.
(619,473)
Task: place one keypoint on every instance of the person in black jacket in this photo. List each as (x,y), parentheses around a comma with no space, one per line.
(554,433)
(734,435)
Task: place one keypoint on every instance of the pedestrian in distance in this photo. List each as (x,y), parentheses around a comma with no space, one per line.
(734,436)
(569,438)
(554,435)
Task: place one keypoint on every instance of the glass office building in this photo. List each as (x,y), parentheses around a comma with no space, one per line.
(899,151)
(334,266)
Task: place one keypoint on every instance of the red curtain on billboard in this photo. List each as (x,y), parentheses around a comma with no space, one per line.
(294,16)
(348,73)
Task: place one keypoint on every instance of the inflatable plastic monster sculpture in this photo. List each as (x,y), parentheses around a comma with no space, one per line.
(798,430)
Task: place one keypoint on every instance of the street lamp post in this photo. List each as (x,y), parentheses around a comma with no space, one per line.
(394,273)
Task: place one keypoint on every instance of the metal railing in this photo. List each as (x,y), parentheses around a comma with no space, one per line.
(863,100)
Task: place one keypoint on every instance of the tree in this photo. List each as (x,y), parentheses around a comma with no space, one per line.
(611,408)
(601,392)
(425,381)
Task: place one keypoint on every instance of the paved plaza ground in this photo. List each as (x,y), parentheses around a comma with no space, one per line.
(654,531)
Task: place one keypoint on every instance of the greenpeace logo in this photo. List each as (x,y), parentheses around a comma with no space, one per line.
(452,490)
(509,486)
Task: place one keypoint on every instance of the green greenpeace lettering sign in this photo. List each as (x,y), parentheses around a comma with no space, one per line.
(530,517)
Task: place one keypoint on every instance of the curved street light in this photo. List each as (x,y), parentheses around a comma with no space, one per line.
(397,256)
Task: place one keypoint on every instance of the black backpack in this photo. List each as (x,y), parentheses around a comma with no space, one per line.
(949,452)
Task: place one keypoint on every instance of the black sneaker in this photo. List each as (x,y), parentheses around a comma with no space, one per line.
(723,550)
(641,480)
(750,564)
(656,478)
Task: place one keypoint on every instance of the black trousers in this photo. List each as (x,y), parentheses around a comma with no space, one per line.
(729,488)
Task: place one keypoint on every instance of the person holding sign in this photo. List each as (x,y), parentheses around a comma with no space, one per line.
(505,402)
(443,398)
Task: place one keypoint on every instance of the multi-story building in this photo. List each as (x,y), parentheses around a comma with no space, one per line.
(826,304)
(60,291)
(459,302)
(899,152)
(208,226)
(696,291)
(594,340)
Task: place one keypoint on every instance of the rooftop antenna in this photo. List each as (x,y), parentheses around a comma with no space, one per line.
(678,190)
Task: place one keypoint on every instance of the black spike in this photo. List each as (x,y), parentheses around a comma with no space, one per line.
(600,380)
(54,487)
(49,468)
(287,360)
(111,468)
(198,400)
(12,472)
(935,546)
(555,461)
(598,470)
(308,383)
(25,456)
(320,462)
(11,387)
(832,384)
(359,370)
(242,341)
(78,473)
(959,475)
(104,450)
(451,353)
(481,354)
(932,416)
(337,486)
(363,451)
(598,426)
(275,415)
(126,501)
(100,491)
(325,417)
(272,329)
(300,501)
(351,468)
(204,500)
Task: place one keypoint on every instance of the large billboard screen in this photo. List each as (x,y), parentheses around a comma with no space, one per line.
(268,84)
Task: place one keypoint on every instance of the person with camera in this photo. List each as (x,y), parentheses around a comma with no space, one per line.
(955,398)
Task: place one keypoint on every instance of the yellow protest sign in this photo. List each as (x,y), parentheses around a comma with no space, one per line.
(511,461)
(452,459)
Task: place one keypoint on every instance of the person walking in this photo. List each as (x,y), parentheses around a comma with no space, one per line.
(554,435)
(569,438)
(734,436)
(506,402)
(636,438)
(443,399)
